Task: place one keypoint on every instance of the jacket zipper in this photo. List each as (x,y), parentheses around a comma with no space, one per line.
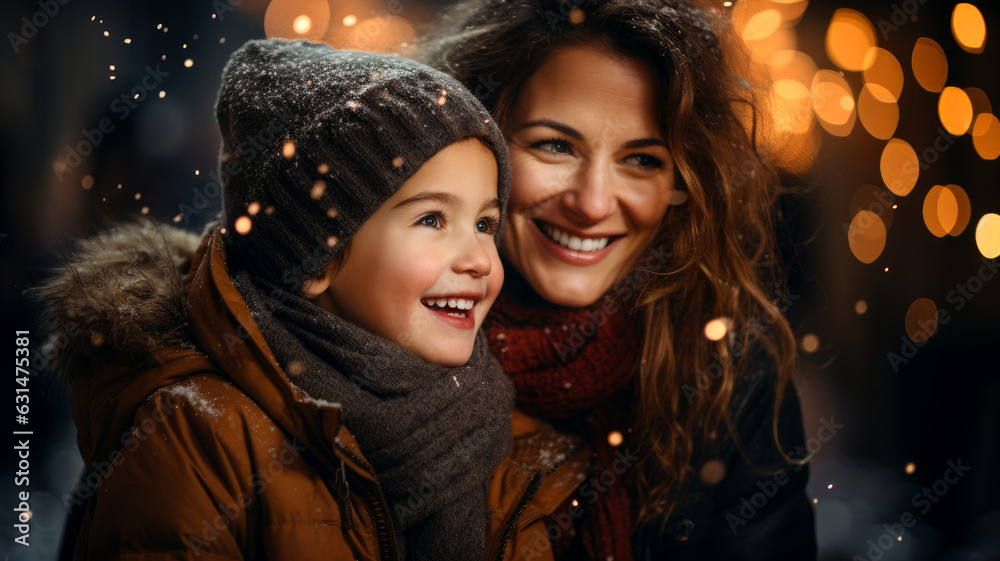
(533,485)
(380,525)
(380,522)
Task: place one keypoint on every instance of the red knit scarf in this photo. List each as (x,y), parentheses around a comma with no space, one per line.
(569,363)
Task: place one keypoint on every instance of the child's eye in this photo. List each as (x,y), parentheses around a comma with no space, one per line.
(554,145)
(644,161)
(433,220)
(487,225)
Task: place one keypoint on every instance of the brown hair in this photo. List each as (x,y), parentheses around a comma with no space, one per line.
(722,239)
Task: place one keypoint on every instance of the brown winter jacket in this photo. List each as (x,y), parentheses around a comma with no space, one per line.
(204,449)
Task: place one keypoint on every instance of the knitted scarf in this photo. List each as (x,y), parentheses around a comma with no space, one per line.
(572,363)
(433,434)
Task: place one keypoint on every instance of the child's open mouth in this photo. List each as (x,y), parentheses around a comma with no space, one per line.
(454,307)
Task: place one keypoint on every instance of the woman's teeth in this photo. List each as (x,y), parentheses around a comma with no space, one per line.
(573,242)
(459,305)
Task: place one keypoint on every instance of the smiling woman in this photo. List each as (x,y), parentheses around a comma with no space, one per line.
(641,210)
(592,170)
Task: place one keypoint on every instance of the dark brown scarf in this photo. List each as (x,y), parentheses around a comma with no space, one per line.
(433,434)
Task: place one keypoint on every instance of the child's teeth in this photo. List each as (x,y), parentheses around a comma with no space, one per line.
(456,315)
(457,303)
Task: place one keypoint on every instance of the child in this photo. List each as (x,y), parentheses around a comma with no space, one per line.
(316,387)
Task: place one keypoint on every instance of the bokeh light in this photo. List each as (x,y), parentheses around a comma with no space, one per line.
(964,210)
(940,210)
(968,27)
(866,236)
(382,34)
(716,329)
(297,19)
(986,136)
(900,167)
(988,235)
(791,106)
(243,225)
(302,24)
(833,103)
(713,472)
(929,64)
(761,25)
(873,199)
(791,10)
(861,307)
(955,110)
(849,38)
(615,438)
(921,320)
(763,50)
(885,76)
(878,117)
(810,343)
(980,101)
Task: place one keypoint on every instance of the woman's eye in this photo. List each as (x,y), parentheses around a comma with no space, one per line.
(431,220)
(644,161)
(554,145)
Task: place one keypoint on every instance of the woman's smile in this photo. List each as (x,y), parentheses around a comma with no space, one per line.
(591,172)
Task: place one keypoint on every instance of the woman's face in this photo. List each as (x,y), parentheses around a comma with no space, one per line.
(591,173)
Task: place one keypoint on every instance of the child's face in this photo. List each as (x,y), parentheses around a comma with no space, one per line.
(431,243)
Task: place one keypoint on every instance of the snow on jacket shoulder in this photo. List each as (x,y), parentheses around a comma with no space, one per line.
(200,447)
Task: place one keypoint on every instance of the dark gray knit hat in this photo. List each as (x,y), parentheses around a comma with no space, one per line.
(314,140)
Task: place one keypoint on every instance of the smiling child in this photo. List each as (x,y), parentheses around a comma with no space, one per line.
(316,386)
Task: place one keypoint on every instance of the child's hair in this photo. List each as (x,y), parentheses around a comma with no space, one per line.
(314,140)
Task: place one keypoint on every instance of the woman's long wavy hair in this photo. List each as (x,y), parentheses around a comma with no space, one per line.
(722,239)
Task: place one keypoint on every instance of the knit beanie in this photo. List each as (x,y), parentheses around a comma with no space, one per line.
(314,140)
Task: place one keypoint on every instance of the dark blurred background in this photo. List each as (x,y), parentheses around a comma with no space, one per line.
(891,282)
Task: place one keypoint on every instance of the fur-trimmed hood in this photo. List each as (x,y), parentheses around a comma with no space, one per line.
(117,298)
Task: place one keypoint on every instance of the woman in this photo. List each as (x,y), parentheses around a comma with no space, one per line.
(642,210)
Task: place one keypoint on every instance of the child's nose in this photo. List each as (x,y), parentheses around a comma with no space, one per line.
(473,258)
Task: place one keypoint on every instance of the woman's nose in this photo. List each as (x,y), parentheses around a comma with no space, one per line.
(591,195)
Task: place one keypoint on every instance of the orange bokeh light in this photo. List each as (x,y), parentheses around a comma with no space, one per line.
(884,76)
(929,64)
(833,102)
(866,236)
(940,211)
(900,167)
(878,117)
(761,25)
(986,136)
(964,210)
(955,110)
(988,235)
(296,19)
(848,40)
(921,320)
(968,27)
